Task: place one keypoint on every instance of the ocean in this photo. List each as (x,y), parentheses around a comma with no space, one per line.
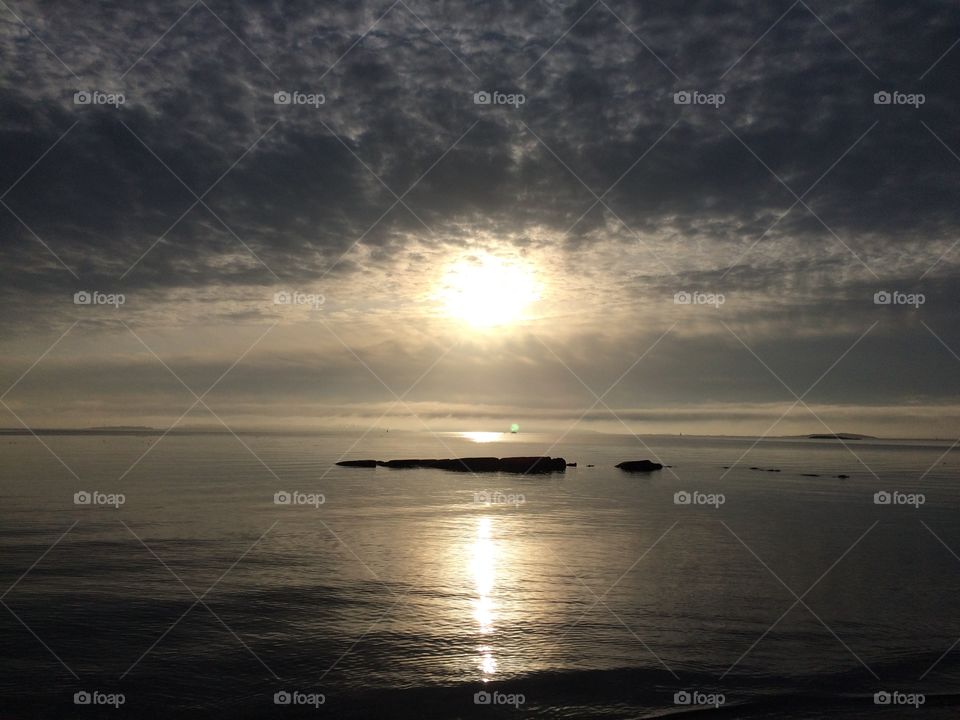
(213,575)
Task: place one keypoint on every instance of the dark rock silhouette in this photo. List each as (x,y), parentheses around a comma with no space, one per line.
(639,466)
(571,464)
(525,465)
(843,477)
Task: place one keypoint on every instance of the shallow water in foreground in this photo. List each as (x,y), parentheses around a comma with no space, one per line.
(591,593)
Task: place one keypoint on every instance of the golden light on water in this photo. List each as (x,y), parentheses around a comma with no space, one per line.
(482,437)
(484,568)
(488,291)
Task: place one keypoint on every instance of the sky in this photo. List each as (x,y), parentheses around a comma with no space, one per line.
(698,217)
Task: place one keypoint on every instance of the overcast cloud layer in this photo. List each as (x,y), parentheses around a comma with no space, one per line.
(797,199)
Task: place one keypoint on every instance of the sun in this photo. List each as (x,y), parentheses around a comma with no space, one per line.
(488,291)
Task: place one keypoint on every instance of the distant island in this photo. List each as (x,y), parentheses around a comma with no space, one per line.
(841,436)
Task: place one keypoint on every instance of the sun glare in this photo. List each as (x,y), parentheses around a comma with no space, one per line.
(488,291)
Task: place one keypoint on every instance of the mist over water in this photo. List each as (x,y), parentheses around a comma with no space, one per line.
(592,593)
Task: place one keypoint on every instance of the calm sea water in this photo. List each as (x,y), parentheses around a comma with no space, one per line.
(589,594)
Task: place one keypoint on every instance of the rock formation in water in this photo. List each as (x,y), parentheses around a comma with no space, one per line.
(639,466)
(524,465)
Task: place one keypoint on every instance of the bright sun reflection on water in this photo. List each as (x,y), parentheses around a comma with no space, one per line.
(482,437)
(483,566)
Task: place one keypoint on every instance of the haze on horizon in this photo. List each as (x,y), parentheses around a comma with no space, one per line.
(403,256)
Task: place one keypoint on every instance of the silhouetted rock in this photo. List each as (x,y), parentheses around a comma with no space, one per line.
(809,474)
(571,464)
(639,466)
(843,477)
(525,465)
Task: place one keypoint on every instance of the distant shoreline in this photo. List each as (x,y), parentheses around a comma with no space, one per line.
(144,431)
